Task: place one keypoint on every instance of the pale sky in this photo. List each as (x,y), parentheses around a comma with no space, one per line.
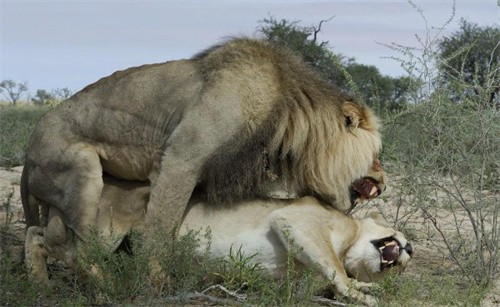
(56,44)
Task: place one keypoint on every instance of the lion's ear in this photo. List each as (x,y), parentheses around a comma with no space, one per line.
(353,115)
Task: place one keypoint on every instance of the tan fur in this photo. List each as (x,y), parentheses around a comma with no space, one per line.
(236,119)
(339,247)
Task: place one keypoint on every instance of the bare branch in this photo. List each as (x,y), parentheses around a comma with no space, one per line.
(318,29)
(234,294)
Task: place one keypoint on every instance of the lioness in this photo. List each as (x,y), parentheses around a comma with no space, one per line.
(238,118)
(318,236)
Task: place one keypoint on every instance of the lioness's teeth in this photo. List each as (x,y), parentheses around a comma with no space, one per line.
(373,191)
(384,261)
(392,243)
(381,248)
(391,262)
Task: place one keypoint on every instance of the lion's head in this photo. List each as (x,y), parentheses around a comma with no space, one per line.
(328,151)
(301,134)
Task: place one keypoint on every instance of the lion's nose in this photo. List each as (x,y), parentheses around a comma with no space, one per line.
(409,249)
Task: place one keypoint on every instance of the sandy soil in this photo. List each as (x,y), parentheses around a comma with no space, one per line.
(11,213)
(430,252)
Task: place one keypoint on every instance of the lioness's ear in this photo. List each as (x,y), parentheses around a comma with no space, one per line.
(353,114)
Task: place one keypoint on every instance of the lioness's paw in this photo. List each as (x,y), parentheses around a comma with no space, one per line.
(364,287)
(370,300)
(361,298)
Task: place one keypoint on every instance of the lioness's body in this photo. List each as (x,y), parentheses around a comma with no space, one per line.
(238,118)
(336,245)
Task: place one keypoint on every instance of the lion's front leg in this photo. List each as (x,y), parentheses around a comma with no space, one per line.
(205,127)
(170,194)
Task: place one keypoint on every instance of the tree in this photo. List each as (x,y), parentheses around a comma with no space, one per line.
(13,90)
(379,90)
(471,56)
(62,93)
(43,97)
(57,95)
(360,80)
(304,42)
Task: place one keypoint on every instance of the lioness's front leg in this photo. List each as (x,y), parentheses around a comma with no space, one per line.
(306,235)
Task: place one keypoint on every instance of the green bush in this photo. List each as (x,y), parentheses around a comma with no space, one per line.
(449,155)
(446,147)
(16,125)
(15,289)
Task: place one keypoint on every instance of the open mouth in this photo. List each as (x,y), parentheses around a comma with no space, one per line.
(389,249)
(364,188)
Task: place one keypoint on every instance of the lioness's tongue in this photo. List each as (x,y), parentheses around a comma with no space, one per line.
(391,251)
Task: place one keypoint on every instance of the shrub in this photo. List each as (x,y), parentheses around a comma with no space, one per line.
(448,150)
(16,124)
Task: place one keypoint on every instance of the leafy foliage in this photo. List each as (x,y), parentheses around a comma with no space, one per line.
(12,284)
(42,97)
(13,90)
(16,124)
(304,41)
(240,270)
(381,92)
(449,153)
(471,56)
(52,98)
(364,81)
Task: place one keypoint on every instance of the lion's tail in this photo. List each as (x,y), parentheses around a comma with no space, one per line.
(31,208)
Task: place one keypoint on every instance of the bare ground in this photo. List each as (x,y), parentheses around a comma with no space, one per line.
(430,255)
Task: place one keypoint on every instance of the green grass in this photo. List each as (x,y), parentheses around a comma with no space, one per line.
(124,279)
(430,290)
(16,125)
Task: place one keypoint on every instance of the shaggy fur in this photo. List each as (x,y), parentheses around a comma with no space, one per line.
(305,143)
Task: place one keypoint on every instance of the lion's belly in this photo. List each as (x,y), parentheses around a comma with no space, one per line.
(129,162)
(243,230)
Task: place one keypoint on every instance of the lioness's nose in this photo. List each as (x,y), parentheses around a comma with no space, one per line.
(409,249)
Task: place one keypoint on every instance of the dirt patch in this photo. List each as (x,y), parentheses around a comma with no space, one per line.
(11,213)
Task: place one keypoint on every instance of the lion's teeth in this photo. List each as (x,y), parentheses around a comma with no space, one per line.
(392,243)
(391,262)
(381,248)
(373,191)
(384,261)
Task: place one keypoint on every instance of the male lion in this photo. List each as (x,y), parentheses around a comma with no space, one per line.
(237,118)
(317,236)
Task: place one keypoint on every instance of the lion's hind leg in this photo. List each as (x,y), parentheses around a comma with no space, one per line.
(54,240)
(72,182)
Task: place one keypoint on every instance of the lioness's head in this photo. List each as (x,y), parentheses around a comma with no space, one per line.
(378,250)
